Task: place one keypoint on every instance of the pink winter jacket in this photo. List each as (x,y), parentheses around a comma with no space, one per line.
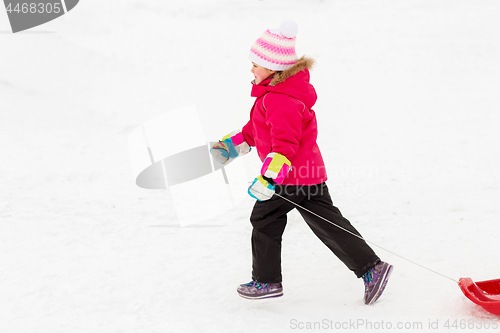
(282,121)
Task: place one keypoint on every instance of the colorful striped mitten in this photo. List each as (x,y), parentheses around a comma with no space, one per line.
(274,171)
(230,147)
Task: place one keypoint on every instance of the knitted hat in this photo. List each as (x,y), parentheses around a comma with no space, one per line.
(275,49)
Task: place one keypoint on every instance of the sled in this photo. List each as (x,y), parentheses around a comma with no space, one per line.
(486,294)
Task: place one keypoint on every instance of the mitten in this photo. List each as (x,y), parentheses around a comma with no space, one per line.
(230,147)
(262,188)
(274,171)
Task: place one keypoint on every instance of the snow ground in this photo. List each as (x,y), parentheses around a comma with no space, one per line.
(408,118)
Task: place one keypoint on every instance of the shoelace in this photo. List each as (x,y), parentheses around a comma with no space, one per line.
(256,284)
(368,277)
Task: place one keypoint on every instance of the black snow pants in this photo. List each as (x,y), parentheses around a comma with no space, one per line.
(269,220)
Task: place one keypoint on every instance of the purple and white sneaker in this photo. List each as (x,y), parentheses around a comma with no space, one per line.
(375,281)
(257,290)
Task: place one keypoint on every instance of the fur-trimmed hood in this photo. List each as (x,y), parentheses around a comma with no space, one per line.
(293,81)
(299,66)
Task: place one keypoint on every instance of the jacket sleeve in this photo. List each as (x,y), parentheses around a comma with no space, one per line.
(284,118)
(247,132)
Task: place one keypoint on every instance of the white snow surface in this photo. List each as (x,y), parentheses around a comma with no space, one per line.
(408,114)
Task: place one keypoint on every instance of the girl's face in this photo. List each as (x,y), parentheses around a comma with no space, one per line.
(260,73)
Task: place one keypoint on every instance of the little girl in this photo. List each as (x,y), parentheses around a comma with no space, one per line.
(283,128)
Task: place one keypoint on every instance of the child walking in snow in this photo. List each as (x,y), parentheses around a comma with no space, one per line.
(283,129)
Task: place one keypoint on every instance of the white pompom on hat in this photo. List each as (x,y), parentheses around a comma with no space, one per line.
(289,29)
(275,49)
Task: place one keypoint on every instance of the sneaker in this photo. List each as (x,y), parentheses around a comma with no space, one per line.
(257,290)
(375,281)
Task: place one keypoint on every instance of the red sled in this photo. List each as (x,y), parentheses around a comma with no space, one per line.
(486,294)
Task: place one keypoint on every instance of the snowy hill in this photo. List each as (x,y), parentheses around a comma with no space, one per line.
(408,120)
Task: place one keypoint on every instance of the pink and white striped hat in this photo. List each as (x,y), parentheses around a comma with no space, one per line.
(275,49)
